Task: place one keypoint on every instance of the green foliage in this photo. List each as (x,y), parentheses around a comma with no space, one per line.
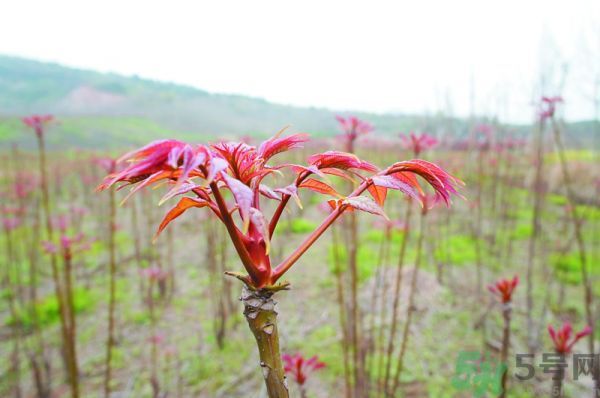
(377,235)
(302,226)
(589,213)
(48,311)
(366,260)
(461,250)
(579,155)
(568,267)
(521,231)
(559,200)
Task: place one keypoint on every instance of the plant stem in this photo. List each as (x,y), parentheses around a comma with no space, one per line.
(342,307)
(112,289)
(355,319)
(259,310)
(53,261)
(506,314)
(557,383)
(411,302)
(136,243)
(72,323)
(396,302)
(537,207)
(588,294)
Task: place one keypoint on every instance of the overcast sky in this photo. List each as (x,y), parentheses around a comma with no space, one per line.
(406,56)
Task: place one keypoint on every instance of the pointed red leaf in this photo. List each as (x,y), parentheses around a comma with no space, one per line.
(268,192)
(340,160)
(243,196)
(379,193)
(179,209)
(366,204)
(275,145)
(291,190)
(395,183)
(262,226)
(319,187)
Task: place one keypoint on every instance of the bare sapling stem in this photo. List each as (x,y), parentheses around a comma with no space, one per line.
(506,316)
(557,382)
(411,306)
(535,220)
(577,224)
(396,301)
(342,310)
(72,322)
(154,341)
(54,266)
(136,243)
(9,282)
(112,293)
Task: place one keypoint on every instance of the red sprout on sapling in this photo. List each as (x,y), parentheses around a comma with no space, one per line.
(548,109)
(504,289)
(66,247)
(564,340)
(206,171)
(301,368)
(39,123)
(418,143)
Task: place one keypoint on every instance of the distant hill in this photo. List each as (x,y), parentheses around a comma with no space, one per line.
(109,110)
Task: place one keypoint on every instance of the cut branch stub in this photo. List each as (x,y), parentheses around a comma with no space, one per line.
(259,310)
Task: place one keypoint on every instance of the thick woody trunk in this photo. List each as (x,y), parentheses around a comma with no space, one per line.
(259,310)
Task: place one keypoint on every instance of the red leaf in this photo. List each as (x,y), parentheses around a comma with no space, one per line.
(261,225)
(337,173)
(311,169)
(340,160)
(319,187)
(178,190)
(443,183)
(379,193)
(333,204)
(291,190)
(179,209)
(215,166)
(146,161)
(398,184)
(366,204)
(243,196)
(275,145)
(268,192)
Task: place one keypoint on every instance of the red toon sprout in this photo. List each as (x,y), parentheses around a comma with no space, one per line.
(563,338)
(418,143)
(504,289)
(548,106)
(300,368)
(353,128)
(201,174)
(37,122)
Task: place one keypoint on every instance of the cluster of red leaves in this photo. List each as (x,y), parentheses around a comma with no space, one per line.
(418,143)
(504,289)
(548,106)
(563,338)
(299,367)
(37,122)
(11,223)
(154,273)
(68,244)
(203,172)
(353,128)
